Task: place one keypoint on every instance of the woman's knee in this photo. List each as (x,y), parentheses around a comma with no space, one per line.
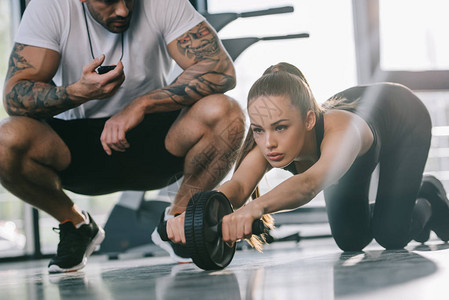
(391,236)
(352,241)
(351,228)
(390,242)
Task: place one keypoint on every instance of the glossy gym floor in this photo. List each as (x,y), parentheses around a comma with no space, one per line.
(310,269)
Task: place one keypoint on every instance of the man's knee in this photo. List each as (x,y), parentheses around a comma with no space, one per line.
(218,108)
(226,120)
(213,117)
(14,136)
(13,144)
(22,138)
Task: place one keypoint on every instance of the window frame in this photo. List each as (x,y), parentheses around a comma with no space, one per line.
(367,41)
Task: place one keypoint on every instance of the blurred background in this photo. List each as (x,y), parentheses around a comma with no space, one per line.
(351,42)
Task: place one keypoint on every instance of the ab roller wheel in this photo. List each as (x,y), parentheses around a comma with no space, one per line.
(202,227)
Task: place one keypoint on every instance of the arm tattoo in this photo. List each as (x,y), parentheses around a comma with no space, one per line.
(199,43)
(17,62)
(201,86)
(37,100)
(207,75)
(30,98)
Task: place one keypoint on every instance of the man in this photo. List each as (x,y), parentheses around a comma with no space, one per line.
(79,125)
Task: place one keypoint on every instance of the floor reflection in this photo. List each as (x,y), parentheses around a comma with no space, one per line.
(220,285)
(290,273)
(337,275)
(76,284)
(367,271)
(431,247)
(151,282)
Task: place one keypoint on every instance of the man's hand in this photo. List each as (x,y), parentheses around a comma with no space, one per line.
(175,229)
(114,132)
(95,86)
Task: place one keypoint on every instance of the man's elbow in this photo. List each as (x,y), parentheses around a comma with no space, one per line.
(219,83)
(230,78)
(232,74)
(9,105)
(232,82)
(10,102)
(14,110)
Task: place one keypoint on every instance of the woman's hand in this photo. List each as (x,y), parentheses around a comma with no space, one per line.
(175,229)
(238,225)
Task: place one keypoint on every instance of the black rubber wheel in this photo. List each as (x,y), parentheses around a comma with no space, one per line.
(210,252)
(189,229)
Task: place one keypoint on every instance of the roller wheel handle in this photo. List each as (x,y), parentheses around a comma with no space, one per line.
(162,230)
(258,227)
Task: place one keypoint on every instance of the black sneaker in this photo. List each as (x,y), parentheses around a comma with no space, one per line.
(423,236)
(422,220)
(432,190)
(178,252)
(75,245)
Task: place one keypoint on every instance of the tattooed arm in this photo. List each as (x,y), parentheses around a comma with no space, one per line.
(207,70)
(29,90)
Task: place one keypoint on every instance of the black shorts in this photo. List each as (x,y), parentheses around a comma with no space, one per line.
(146,165)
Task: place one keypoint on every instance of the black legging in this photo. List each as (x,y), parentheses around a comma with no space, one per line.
(402,129)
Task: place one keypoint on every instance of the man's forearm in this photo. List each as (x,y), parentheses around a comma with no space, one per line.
(192,85)
(37,99)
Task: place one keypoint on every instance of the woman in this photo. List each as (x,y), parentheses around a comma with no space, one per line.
(336,148)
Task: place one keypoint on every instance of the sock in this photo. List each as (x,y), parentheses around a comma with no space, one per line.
(86,220)
(166,215)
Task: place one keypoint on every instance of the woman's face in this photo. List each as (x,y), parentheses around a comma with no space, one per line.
(278,128)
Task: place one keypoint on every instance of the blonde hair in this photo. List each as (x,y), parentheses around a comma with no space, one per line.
(340,102)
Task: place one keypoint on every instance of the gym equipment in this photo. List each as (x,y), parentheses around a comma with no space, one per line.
(220,20)
(236,46)
(131,222)
(202,228)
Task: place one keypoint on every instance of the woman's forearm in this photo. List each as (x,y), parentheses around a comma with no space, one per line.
(290,194)
(235,193)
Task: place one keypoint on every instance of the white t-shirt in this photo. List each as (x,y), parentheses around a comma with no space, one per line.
(59,25)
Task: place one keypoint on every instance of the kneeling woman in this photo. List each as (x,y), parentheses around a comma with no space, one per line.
(336,148)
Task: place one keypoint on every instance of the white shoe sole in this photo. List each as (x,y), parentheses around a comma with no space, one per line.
(166,246)
(97,240)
